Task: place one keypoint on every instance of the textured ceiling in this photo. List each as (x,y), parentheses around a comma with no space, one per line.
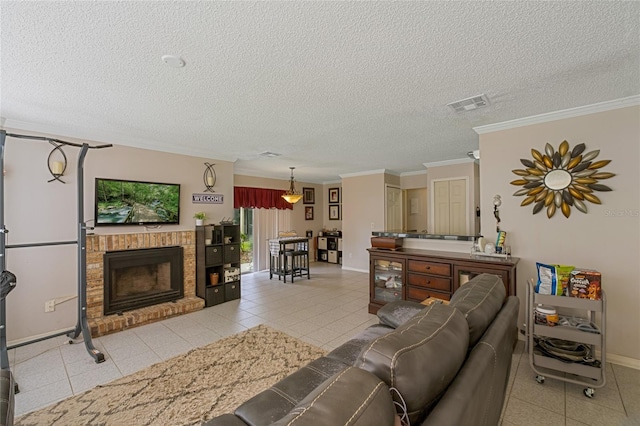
(335,87)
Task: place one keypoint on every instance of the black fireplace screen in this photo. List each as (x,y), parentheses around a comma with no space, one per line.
(137,278)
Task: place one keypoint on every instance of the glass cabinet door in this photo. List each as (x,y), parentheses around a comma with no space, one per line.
(387,285)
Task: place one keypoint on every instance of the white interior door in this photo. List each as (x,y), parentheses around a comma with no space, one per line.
(450,207)
(393,215)
(441,207)
(458,207)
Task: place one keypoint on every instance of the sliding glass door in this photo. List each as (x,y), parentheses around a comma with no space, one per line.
(244,217)
(257,227)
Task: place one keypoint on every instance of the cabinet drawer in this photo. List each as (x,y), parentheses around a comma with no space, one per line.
(429,281)
(231,253)
(443,269)
(214,295)
(213,255)
(420,294)
(232,291)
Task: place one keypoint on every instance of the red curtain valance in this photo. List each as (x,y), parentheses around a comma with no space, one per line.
(259,198)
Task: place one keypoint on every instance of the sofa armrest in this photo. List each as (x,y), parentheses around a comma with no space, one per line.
(394,314)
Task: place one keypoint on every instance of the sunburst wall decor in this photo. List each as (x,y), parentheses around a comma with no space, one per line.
(559,180)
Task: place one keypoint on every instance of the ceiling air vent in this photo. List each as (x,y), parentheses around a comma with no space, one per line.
(470,103)
(268,154)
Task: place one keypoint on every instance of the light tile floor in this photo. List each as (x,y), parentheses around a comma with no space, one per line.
(326,311)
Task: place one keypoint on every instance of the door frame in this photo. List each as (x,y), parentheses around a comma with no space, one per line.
(432,218)
(401,192)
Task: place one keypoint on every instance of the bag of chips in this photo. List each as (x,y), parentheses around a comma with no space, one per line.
(553,279)
(547,280)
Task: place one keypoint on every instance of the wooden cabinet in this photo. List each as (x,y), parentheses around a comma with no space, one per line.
(387,280)
(420,274)
(218,263)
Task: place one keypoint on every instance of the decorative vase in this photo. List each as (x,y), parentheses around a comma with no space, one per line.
(199,222)
(213,278)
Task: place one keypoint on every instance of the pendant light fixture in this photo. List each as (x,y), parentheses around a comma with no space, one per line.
(292,196)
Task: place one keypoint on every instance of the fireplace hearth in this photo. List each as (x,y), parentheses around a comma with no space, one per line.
(135,279)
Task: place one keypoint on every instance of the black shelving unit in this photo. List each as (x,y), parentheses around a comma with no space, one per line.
(218,263)
(329,247)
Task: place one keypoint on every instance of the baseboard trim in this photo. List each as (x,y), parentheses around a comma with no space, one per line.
(346,268)
(624,361)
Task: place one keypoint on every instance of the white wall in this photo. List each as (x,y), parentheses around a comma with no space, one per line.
(607,238)
(362,209)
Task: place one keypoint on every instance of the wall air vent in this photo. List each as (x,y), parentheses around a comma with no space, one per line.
(469,104)
(268,154)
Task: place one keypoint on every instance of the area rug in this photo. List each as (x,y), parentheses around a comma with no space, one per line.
(189,388)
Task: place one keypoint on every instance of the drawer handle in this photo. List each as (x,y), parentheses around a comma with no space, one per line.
(215,250)
(428,282)
(428,267)
(231,248)
(216,290)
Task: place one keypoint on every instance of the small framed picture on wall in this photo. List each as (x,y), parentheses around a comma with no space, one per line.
(308,213)
(334,212)
(334,195)
(308,196)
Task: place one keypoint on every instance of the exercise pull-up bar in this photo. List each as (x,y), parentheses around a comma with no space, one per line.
(44,138)
(82,326)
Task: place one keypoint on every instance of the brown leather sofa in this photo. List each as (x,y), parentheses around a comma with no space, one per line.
(435,365)
(6,397)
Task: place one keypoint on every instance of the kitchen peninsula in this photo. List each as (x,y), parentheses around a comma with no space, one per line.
(409,273)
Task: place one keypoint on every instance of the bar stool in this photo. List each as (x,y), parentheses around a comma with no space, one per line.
(296,261)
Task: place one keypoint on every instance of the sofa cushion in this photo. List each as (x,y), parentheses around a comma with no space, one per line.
(482,380)
(479,300)
(421,357)
(394,314)
(353,397)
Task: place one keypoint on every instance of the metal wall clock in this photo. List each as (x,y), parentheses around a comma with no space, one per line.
(559,180)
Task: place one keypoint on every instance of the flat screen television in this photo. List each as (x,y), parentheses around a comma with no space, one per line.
(127,202)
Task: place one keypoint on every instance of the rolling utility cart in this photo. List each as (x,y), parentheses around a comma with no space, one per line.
(570,346)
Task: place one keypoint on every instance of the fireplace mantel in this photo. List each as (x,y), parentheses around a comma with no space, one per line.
(98,245)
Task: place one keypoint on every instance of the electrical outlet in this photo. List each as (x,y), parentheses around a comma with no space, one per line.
(50,306)
(373,225)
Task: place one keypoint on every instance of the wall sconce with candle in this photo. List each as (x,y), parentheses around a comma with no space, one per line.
(209,177)
(56,162)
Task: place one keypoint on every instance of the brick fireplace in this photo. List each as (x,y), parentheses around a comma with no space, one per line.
(97,245)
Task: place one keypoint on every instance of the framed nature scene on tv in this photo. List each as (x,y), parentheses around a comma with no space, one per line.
(125,202)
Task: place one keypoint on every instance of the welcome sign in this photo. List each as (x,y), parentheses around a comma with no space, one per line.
(207,199)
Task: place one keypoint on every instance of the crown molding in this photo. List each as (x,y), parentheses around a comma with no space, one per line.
(559,115)
(448,162)
(419,172)
(365,173)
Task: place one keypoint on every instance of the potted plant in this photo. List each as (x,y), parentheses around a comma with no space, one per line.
(199,217)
